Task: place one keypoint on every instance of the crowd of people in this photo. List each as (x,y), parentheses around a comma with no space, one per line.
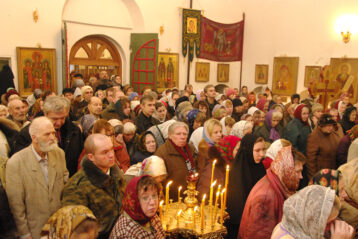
(92,162)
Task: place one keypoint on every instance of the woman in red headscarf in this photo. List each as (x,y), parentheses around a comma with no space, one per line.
(140,204)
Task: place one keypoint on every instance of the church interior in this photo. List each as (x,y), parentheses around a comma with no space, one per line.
(307,30)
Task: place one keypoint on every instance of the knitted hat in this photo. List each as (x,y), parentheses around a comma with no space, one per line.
(132,95)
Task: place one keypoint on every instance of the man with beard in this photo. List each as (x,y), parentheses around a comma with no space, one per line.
(95,107)
(68,135)
(17,112)
(35,178)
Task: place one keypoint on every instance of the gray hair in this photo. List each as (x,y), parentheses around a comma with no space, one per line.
(176,125)
(3,108)
(37,124)
(12,102)
(129,128)
(56,104)
(277,115)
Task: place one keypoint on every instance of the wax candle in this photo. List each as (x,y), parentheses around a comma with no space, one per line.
(212,172)
(226,183)
(179,189)
(202,212)
(167,196)
(178,217)
(216,209)
(161,211)
(211,200)
(222,206)
(194,215)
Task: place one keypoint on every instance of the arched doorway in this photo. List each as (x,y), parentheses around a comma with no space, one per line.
(93,54)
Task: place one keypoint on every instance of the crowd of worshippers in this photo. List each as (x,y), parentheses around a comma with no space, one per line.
(92,162)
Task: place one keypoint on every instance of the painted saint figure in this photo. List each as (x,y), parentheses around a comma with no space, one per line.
(170,73)
(161,72)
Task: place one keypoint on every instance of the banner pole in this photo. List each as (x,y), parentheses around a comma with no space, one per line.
(188,75)
(243,18)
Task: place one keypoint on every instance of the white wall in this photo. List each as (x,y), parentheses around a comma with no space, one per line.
(302,28)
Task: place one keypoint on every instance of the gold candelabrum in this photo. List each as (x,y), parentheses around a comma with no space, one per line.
(190,219)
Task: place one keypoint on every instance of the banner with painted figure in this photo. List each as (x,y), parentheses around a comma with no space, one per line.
(221,42)
(191,32)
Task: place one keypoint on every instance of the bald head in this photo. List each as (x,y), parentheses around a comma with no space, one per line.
(94,142)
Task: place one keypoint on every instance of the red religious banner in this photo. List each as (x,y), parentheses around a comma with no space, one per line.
(221,42)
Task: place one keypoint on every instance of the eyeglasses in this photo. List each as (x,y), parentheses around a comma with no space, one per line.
(147,199)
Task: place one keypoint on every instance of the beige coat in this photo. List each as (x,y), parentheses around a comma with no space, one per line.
(31,201)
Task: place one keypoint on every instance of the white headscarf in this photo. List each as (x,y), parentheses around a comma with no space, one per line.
(222,121)
(239,127)
(306,212)
(252,110)
(196,137)
(153,166)
(274,148)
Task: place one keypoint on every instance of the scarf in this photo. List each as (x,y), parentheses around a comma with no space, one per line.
(185,153)
(63,222)
(298,113)
(284,167)
(131,204)
(206,137)
(327,178)
(274,135)
(226,147)
(279,191)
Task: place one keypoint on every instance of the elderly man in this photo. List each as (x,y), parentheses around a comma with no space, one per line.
(99,184)
(68,135)
(95,107)
(35,178)
(17,112)
(178,156)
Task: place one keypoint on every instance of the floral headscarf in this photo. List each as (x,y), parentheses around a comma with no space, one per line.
(131,204)
(63,222)
(284,168)
(239,127)
(327,178)
(226,147)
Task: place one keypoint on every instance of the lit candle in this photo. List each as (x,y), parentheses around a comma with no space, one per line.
(179,189)
(178,217)
(195,210)
(161,211)
(202,212)
(226,183)
(211,200)
(222,206)
(167,196)
(216,208)
(212,172)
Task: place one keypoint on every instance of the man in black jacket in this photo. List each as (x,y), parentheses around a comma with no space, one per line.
(145,120)
(68,135)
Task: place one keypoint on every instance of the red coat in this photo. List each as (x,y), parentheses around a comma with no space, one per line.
(263,208)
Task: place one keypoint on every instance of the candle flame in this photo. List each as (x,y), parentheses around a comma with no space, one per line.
(179,212)
(168,184)
(179,189)
(204,197)
(227,167)
(195,208)
(214,162)
(196,174)
(217,193)
(161,203)
(223,191)
(214,183)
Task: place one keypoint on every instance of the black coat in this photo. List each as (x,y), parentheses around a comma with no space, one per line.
(71,143)
(139,156)
(143,122)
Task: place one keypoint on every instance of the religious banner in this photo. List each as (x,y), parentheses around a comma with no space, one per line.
(221,42)
(191,32)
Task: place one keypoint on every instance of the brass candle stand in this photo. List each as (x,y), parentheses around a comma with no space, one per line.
(189,215)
